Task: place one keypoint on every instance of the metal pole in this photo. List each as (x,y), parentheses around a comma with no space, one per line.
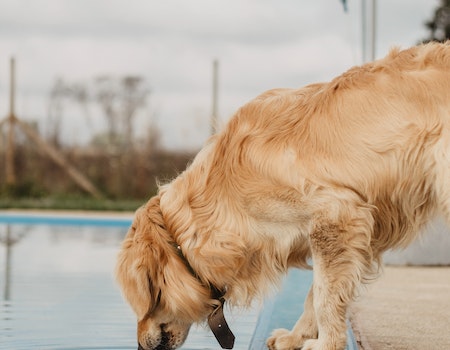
(215,93)
(374,29)
(363,30)
(368,30)
(10,151)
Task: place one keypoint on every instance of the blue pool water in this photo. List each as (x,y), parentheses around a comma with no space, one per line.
(57,289)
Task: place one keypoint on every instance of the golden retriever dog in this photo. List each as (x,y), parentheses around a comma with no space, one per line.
(331,174)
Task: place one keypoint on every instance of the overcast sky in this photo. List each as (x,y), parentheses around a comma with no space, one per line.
(260,44)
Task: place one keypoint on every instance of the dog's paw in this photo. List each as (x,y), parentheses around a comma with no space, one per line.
(315,344)
(311,344)
(282,339)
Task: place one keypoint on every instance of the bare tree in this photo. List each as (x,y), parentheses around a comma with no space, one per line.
(79,93)
(55,110)
(62,93)
(107,95)
(134,95)
(120,100)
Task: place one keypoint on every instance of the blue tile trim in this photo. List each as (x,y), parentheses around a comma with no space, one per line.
(26,219)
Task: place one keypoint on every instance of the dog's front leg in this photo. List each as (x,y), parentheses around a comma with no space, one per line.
(342,257)
(305,328)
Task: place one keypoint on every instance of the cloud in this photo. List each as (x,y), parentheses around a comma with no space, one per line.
(261,44)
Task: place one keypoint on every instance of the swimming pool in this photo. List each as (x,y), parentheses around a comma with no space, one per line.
(58,292)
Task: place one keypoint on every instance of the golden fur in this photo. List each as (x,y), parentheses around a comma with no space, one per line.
(335,172)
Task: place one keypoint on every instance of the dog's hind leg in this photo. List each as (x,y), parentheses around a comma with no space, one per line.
(305,328)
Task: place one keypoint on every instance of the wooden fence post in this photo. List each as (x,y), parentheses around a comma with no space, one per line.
(10,148)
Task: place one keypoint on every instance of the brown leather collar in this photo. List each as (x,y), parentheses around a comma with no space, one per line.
(219,326)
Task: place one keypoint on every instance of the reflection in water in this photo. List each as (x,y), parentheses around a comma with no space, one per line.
(60,292)
(8,241)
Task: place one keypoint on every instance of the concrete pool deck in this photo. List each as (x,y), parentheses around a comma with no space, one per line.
(407,308)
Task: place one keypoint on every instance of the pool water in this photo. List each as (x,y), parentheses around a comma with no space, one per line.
(58,291)
(61,294)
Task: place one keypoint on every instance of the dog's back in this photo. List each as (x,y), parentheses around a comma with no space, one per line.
(381,130)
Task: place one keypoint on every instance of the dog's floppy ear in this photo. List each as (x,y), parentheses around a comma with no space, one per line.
(152,274)
(134,265)
(182,293)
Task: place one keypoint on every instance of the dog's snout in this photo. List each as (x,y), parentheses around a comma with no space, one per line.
(160,341)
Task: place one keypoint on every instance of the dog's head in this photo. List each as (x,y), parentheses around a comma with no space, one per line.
(166,297)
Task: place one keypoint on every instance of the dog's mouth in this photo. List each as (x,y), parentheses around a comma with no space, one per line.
(165,339)
(165,342)
(164,345)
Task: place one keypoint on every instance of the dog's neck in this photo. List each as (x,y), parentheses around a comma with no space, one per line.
(216,293)
(216,319)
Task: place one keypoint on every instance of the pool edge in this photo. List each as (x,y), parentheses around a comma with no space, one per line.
(263,326)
